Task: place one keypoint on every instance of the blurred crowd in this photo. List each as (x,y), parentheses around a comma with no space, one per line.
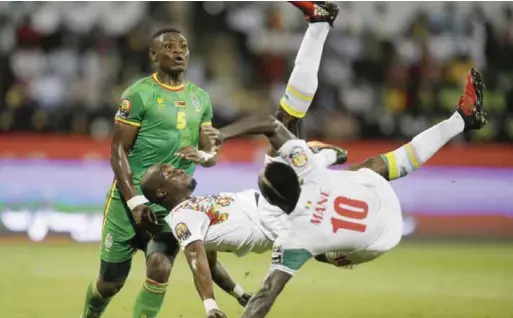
(389,70)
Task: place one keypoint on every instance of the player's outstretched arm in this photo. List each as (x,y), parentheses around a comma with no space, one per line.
(269,126)
(198,262)
(222,279)
(261,303)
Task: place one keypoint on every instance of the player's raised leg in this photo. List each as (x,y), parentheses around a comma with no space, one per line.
(303,81)
(469,116)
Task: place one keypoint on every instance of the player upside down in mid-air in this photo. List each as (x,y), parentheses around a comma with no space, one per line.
(353,214)
(159,116)
(341,217)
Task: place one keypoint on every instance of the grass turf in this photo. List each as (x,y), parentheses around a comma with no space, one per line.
(416,279)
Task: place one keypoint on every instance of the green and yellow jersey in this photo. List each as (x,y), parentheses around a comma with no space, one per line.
(168,117)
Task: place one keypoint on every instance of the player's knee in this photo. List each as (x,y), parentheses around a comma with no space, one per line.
(108,289)
(158,267)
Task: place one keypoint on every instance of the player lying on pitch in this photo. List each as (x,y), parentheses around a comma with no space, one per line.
(355,213)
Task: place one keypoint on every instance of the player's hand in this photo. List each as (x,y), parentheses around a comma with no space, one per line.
(145,217)
(190,153)
(243,301)
(215,313)
(216,139)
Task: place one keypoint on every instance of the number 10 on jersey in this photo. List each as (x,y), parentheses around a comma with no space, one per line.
(349,209)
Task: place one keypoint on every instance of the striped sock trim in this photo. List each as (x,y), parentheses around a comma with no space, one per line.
(155,287)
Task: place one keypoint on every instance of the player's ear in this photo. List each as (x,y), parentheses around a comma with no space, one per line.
(161,194)
(152,54)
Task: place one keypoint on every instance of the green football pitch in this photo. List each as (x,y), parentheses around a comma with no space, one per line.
(417,279)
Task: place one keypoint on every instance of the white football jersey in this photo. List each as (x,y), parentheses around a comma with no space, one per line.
(343,211)
(227,222)
(272,218)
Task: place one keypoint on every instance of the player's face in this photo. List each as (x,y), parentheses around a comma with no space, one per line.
(172,52)
(176,181)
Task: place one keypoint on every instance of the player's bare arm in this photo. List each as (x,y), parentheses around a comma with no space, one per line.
(196,256)
(269,126)
(222,279)
(469,116)
(293,124)
(261,303)
(122,141)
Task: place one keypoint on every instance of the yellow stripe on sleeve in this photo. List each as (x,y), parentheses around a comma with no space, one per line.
(393,172)
(298,94)
(411,156)
(128,122)
(206,123)
(291,111)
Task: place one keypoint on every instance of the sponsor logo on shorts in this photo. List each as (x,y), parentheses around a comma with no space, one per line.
(124,108)
(277,254)
(298,157)
(182,231)
(108,241)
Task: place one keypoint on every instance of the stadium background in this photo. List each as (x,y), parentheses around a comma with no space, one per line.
(389,71)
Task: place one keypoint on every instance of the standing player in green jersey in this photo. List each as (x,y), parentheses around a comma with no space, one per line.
(159,120)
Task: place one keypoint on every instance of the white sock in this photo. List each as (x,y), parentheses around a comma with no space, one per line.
(303,82)
(415,153)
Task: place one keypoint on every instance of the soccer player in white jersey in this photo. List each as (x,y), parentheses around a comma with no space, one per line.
(355,213)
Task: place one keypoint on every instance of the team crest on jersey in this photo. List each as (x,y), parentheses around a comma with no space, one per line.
(124,108)
(160,101)
(298,157)
(196,102)
(179,104)
(182,231)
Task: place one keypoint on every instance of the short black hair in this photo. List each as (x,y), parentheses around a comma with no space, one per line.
(280,185)
(150,184)
(164,31)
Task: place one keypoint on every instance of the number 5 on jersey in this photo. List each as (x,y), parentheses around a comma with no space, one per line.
(181,120)
(349,209)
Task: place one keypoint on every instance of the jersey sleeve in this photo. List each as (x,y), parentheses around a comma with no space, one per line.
(206,120)
(188,226)
(300,157)
(288,260)
(131,109)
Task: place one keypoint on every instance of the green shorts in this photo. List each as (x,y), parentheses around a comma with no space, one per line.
(120,239)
